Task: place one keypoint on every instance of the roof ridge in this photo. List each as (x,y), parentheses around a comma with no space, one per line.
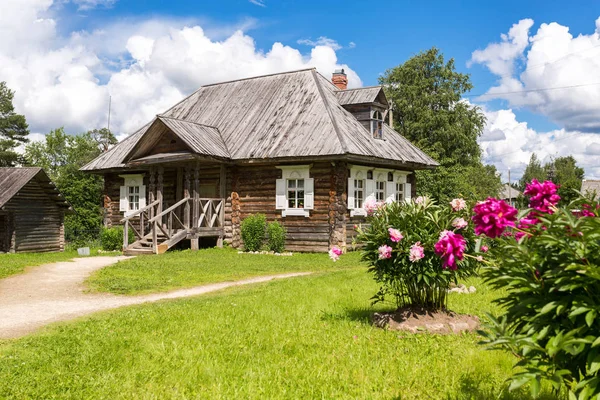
(327,107)
(185,120)
(259,76)
(362,88)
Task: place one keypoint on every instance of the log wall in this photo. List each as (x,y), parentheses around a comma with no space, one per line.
(35,222)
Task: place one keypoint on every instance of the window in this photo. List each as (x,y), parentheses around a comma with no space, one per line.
(359,193)
(399,192)
(133,194)
(133,197)
(295,191)
(377,125)
(380,191)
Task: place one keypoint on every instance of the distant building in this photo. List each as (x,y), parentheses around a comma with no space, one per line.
(590,187)
(32,212)
(509,194)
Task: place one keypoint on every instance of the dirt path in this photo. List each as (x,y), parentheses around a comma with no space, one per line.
(55,292)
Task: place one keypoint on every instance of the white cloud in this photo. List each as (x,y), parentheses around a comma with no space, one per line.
(260,3)
(321,41)
(146,66)
(552,57)
(509,143)
(90,4)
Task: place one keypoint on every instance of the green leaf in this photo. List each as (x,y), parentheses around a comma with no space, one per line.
(590,317)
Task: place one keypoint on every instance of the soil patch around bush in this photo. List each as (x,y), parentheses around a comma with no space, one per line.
(421,320)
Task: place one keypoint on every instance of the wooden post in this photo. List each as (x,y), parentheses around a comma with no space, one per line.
(159,191)
(152,190)
(12,239)
(194,244)
(155,237)
(196,215)
(223,196)
(186,194)
(126,234)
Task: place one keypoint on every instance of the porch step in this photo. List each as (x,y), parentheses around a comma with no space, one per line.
(144,245)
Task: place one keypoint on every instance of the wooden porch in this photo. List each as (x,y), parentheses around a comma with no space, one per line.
(157,227)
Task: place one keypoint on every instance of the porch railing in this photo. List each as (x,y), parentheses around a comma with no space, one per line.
(144,214)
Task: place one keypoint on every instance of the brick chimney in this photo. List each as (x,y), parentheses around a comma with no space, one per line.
(340,79)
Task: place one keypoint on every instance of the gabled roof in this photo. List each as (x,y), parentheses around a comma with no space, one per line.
(365,95)
(506,188)
(12,181)
(273,117)
(590,186)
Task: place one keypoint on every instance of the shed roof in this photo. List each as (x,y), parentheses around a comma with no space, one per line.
(12,181)
(590,186)
(287,115)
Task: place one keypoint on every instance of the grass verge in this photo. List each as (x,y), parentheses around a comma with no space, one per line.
(11,264)
(299,338)
(180,269)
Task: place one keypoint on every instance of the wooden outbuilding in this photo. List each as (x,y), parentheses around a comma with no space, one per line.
(32,212)
(304,150)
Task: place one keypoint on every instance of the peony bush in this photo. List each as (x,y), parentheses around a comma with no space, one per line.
(547,261)
(415,249)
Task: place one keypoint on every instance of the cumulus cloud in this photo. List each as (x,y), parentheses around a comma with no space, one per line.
(145,66)
(90,4)
(321,41)
(260,3)
(550,58)
(509,143)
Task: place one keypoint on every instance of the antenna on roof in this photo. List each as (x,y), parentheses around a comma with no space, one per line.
(109,104)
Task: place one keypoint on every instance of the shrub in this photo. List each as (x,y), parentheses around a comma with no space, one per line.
(253,231)
(112,238)
(416,249)
(276,237)
(549,269)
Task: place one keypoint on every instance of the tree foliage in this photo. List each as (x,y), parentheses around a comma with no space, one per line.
(62,155)
(13,129)
(426,92)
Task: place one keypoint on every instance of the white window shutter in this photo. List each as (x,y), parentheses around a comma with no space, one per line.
(390,191)
(309,193)
(407,191)
(142,196)
(350,193)
(123,202)
(280,199)
(370,188)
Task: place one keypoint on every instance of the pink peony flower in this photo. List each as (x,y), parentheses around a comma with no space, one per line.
(458,204)
(479,258)
(493,216)
(395,235)
(450,247)
(484,249)
(459,223)
(420,200)
(542,196)
(370,205)
(587,210)
(385,252)
(416,252)
(525,223)
(335,253)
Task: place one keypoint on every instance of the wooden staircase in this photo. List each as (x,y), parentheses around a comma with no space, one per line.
(158,231)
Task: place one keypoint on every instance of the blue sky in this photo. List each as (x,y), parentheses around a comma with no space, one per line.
(111,48)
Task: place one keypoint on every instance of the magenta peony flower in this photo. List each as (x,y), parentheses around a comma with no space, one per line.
(450,247)
(416,252)
(385,252)
(493,216)
(587,210)
(525,223)
(458,204)
(484,249)
(395,235)
(459,223)
(542,196)
(335,253)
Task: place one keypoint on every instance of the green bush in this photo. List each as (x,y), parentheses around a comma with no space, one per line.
(276,237)
(112,238)
(551,280)
(253,231)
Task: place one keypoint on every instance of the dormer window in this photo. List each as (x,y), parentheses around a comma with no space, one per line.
(377,125)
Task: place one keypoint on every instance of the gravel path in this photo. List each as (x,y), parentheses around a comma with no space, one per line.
(55,292)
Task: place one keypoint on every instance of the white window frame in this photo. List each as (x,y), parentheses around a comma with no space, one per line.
(401,178)
(132,181)
(380,177)
(377,124)
(360,172)
(294,172)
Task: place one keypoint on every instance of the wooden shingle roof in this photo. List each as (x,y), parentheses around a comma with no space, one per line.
(590,187)
(12,181)
(273,117)
(364,95)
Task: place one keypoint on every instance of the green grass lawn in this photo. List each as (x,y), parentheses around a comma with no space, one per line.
(301,338)
(11,264)
(179,269)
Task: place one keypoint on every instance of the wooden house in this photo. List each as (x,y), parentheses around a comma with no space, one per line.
(295,146)
(32,212)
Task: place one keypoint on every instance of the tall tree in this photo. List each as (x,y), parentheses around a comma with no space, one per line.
(61,155)
(13,129)
(426,92)
(567,175)
(534,170)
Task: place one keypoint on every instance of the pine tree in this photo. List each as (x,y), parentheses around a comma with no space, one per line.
(13,129)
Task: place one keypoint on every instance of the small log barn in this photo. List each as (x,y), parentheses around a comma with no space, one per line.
(302,149)
(32,212)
